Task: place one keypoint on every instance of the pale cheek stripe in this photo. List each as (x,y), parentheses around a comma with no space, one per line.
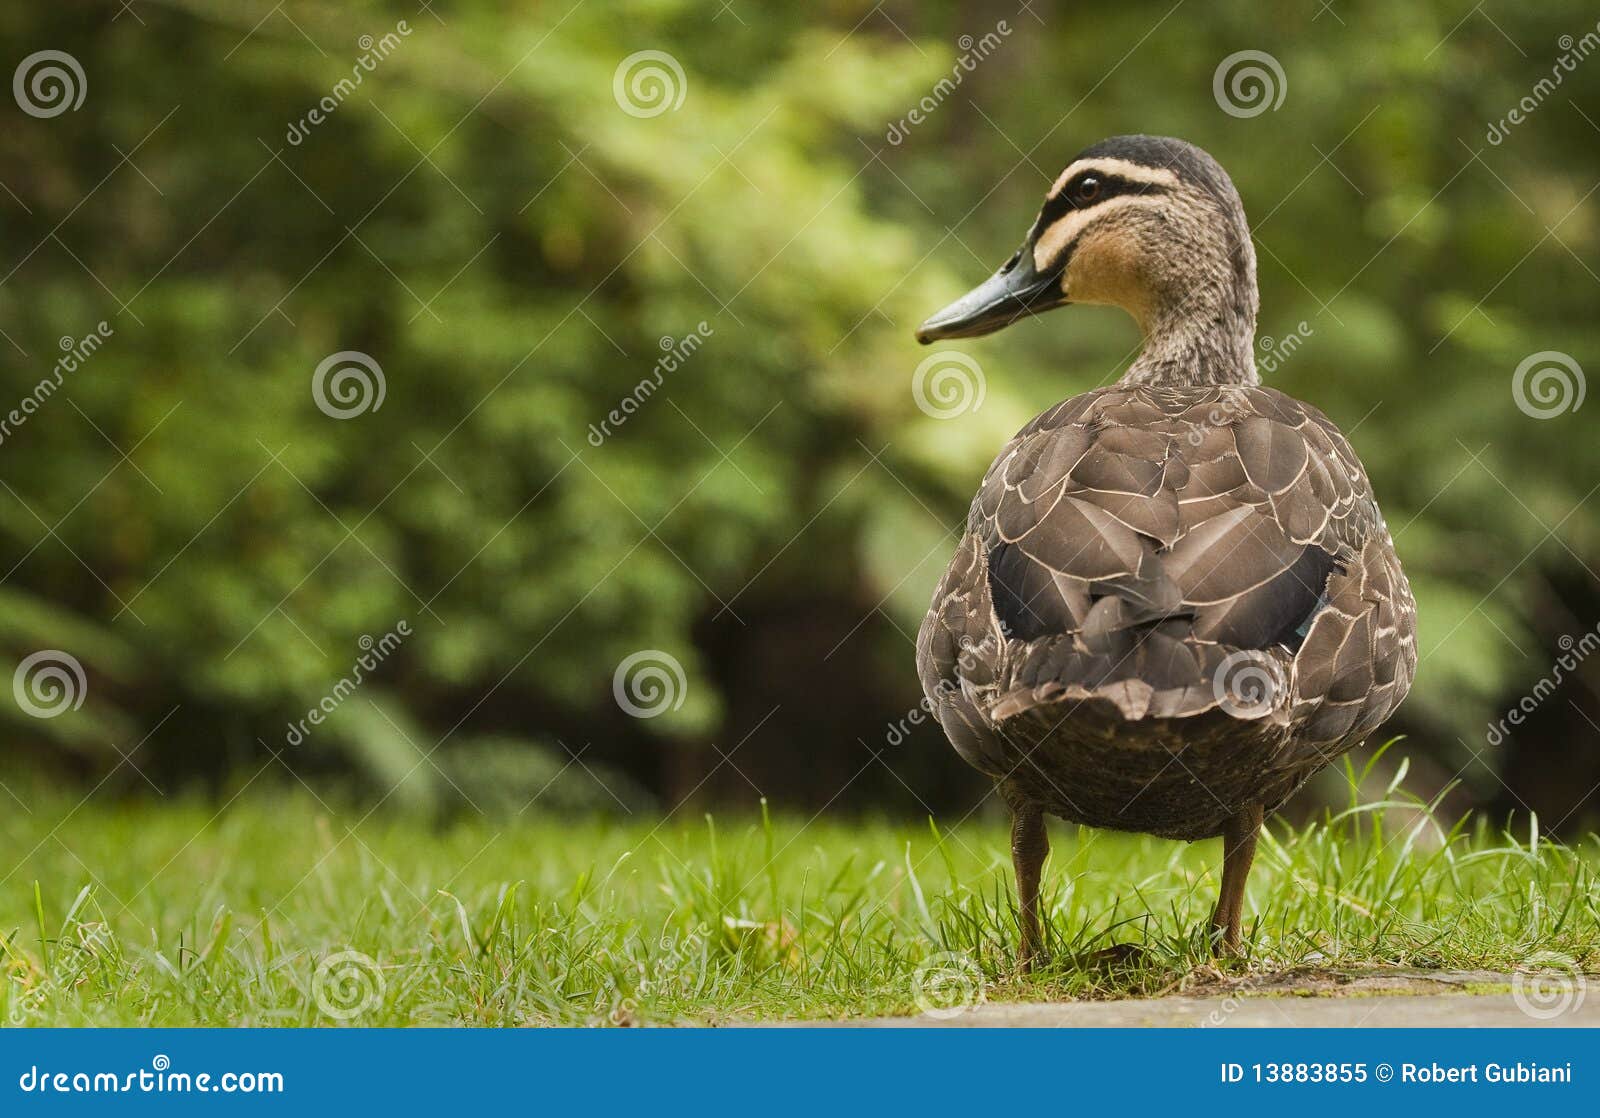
(1054,240)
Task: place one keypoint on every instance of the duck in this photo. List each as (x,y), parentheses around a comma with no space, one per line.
(1175,598)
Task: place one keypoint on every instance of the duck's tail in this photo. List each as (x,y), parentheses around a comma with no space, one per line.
(1148,671)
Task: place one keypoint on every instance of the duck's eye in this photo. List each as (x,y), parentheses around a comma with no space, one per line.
(1088,190)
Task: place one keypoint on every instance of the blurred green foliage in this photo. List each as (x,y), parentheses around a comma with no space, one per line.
(515,251)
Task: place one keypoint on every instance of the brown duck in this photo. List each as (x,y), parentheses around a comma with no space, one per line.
(1175,599)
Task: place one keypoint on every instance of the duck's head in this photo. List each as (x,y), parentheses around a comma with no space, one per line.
(1147,223)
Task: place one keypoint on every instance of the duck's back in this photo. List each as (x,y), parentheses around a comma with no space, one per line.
(1169,602)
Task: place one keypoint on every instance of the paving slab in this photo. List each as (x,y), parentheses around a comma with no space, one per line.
(1304,998)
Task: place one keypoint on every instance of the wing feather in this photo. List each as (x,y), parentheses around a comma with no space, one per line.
(1129,538)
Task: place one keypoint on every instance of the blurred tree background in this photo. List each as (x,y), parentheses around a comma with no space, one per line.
(516,219)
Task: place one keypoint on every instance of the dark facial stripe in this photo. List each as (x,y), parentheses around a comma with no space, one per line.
(1065,200)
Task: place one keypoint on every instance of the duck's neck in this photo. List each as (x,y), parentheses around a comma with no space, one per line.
(1206,336)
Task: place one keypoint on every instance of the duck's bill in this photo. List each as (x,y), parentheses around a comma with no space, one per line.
(1015,291)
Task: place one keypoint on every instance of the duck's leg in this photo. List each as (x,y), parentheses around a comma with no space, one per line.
(1030,845)
(1238,851)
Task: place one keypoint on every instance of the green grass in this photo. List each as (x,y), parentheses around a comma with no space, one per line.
(173,913)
